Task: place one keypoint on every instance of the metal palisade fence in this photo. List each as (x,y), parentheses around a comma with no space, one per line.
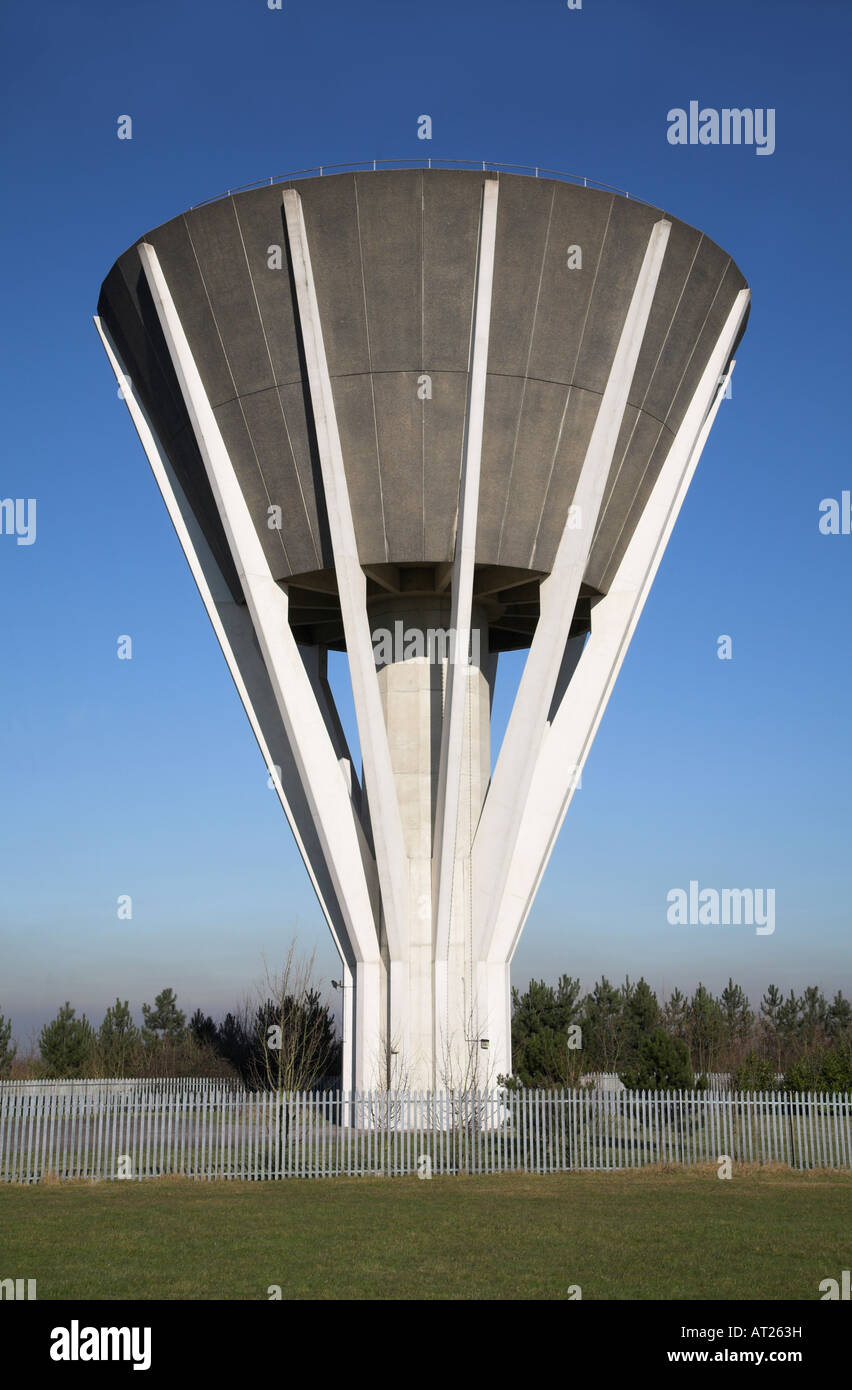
(713,1080)
(119,1085)
(211,1130)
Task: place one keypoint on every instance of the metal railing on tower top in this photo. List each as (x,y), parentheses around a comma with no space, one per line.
(422,162)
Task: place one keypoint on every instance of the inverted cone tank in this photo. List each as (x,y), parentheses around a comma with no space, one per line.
(394,261)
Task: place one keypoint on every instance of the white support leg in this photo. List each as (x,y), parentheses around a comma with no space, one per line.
(319,773)
(371,1044)
(385,818)
(316,665)
(231,624)
(509,795)
(614,620)
(456,695)
(347,1032)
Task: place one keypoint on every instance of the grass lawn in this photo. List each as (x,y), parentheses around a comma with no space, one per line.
(650,1233)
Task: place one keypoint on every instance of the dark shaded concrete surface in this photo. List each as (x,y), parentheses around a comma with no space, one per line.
(393,255)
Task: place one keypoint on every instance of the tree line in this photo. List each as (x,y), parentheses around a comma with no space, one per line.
(284,1038)
(559,1035)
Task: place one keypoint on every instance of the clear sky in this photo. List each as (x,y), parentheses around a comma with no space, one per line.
(142,777)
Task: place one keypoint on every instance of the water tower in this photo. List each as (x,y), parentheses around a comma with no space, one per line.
(424,416)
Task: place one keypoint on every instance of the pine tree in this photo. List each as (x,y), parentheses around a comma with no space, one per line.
(789,1014)
(119,1040)
(737,1014)
(706,1030)
(676,1014)
(541,1019)
(641,1016)
(813,1010)
(662,1064)
(164,1022)
(203,1029)
(66,1043)
(8,1050)
(838,1018)
(770,1015)
(603,1027)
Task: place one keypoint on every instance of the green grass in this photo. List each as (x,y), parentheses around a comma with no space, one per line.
(651,1233)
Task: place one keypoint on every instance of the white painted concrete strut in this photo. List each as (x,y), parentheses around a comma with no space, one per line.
(232,626)
(508,800)
(614,619)
(456,693)
(320,775)
(352,587)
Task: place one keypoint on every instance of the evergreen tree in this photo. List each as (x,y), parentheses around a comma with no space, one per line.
(293,1042)
(737,1014)
(119,1040)
(676,1014)
(234,1043)
(603,1027)
(812,1016)
(66,1043)
(164,1022)
(770,1007)
(663,1064)
(838,1019)
(789,1012)
(8,1051)
(542,1052)
(641,1013)
(770,1017)
(826,1071)
(706,1030)
(203,1029)
(755,1074)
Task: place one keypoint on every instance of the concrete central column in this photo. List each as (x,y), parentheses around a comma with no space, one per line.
(412,641)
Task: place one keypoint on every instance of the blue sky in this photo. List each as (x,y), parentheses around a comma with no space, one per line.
(142,777)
